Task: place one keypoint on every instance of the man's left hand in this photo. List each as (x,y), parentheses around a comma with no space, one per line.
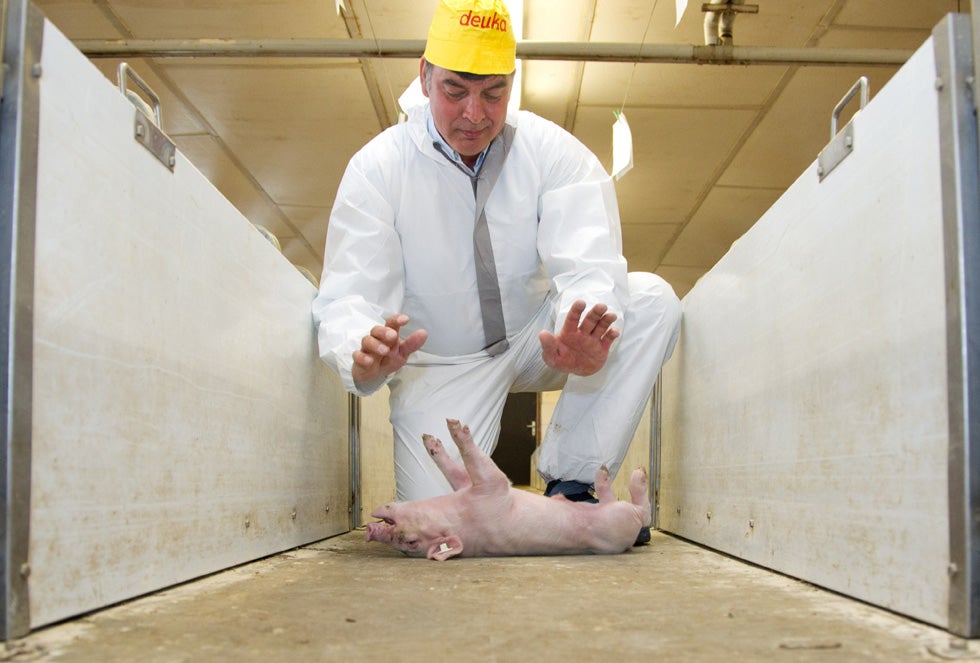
(582,345)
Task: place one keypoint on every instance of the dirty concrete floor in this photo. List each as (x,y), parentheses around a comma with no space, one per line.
(346,600)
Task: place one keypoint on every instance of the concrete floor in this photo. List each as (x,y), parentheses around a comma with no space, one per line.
(346,600)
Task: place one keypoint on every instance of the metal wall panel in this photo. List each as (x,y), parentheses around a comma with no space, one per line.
(806,407)
(182,420)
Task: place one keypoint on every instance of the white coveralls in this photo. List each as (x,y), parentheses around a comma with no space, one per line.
(400,239)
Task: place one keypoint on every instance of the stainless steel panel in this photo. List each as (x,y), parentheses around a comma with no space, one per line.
(805,407)
(182,420)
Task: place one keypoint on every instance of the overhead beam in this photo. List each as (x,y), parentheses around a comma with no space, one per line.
(385,119)
(526,50)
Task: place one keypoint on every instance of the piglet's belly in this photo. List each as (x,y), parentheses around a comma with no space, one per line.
(557,527)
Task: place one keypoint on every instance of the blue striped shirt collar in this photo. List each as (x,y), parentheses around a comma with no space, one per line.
(447,150)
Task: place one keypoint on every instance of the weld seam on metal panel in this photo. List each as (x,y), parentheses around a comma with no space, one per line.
(961,222)
(3,40)
(18,188)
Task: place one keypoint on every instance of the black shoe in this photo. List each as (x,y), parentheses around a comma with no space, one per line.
(643,537)
(572,490)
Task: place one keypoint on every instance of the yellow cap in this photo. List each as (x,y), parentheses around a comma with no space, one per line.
(473,36)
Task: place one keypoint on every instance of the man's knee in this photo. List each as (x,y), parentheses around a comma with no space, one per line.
(653,300)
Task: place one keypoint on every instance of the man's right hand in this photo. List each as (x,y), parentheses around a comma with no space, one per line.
(383,352)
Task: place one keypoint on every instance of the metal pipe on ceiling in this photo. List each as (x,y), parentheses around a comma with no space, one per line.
(526,50)
(711,20)
(719,19)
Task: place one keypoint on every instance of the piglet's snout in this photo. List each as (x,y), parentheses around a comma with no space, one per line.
(381,531)
(377,532)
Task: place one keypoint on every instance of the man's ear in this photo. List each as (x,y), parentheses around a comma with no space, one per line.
(444,548)
(422,82)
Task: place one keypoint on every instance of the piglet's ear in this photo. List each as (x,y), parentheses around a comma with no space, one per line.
(444,548)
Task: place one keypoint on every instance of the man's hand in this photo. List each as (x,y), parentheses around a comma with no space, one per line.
(383,352)
(581,346)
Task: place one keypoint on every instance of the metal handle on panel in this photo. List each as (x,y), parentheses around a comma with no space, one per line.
(862,85)
(147,123)
(125,71)
(841,144)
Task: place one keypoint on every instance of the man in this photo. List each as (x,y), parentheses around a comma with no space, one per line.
(463,250)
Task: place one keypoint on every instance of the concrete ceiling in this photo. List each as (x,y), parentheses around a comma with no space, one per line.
(714,145)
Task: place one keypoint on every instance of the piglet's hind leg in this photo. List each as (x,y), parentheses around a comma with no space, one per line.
(603,486)
(639,495)
(638,487)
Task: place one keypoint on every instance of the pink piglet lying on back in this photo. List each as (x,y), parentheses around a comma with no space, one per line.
(486,516)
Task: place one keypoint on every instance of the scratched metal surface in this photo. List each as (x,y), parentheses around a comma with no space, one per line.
(805,407)
(348,600)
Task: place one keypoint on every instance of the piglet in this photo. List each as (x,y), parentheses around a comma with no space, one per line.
(486,516)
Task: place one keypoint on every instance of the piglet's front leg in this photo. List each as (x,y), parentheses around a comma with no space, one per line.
(484,474)
(453,471)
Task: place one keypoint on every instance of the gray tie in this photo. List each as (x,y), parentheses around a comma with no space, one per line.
(494,329)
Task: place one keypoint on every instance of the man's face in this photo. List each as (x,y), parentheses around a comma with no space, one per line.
(467,113)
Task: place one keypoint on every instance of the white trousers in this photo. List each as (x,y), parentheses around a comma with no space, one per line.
(595,417)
